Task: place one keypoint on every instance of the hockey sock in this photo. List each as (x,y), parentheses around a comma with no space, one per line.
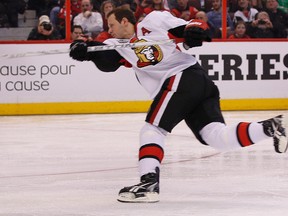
(225,138)
(151,150)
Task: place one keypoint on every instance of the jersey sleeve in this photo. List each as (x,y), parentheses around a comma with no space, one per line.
(106,61)
(166,20)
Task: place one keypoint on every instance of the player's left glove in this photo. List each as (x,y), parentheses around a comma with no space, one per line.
(195,33)
(78,50)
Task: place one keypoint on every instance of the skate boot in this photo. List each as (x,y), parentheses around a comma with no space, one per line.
(147,191)
(277,128)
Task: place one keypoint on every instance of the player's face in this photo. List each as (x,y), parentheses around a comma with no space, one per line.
(116,29)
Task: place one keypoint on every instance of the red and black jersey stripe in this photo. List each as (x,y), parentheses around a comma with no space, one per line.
(243,134)
(151,151)
(156,109)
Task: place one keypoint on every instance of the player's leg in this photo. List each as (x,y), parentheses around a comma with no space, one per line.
(151,154)
(208,127)
(244,134)
(167,110)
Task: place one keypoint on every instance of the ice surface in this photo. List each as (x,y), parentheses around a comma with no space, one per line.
(75,165)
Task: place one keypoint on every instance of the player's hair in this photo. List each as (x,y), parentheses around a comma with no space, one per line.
(121,13)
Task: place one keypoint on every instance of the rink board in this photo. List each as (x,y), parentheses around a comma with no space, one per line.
(129,107)
(250,76)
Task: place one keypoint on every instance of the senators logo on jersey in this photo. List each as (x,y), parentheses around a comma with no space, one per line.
(148,55)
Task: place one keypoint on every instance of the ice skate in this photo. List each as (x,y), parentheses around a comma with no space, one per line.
(147,191)
(277,128)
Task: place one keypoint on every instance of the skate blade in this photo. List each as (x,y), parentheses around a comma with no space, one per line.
(151,197)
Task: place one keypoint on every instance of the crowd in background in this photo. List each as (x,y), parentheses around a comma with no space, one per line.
(245,18)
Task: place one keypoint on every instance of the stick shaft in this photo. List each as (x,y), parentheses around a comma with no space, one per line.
(90,49)
(128,45)
(37,53)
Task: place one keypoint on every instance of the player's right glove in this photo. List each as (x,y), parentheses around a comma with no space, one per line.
(78,50)
(195,33)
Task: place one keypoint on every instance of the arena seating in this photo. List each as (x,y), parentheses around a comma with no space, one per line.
(26,22)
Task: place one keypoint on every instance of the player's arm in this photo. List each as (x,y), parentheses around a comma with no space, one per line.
(106,61)
(193,33)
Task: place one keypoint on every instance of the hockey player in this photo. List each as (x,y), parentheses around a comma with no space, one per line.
(180,88)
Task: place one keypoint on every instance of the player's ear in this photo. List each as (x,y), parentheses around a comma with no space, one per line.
(124,20)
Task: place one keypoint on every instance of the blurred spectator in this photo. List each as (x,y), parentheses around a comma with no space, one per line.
(40,6)
(183,10)
(76,32)
(51,4)
(257,4)
(213,32)
(239,31)
(278,17)
(106,7)
(10,10)
(233,7)
(215,16)
(97,4)
(4,23)
(103,36)
(141,17)
(75,7)
(44,31)
(262,27)
(283,5)
(147,6)
(55,9)
(245,12)
(91,22)
(75,10)
(128,4)
(201,5)
(173,3)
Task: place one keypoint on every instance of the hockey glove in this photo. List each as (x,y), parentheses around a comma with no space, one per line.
(78,50)
(195,33)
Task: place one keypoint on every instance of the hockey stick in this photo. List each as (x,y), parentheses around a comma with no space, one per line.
(90,49)
(128,45)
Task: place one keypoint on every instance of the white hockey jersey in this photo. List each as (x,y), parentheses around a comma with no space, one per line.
(154,64)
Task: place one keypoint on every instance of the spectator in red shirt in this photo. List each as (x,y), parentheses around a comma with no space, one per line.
(106,7)
(240,31)
(184,10)
(75,10)
(147,6)
(75,7)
